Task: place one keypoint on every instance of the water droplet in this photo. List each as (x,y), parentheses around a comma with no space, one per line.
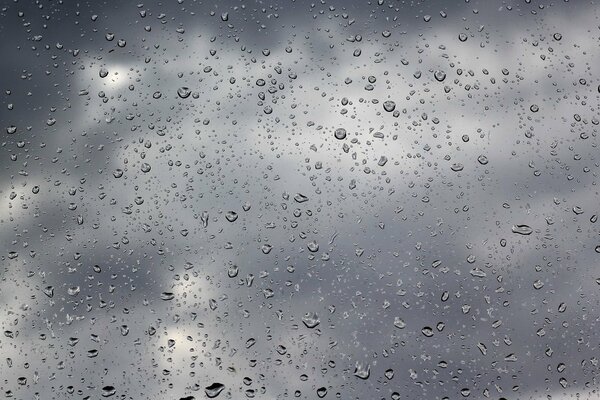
(232,272)
(311,320)
(231,216)
(145,167)
(362,371)
(108,391)
(321,392)
(427,331)
(389,105)
(478,273)
(214,390)
(340,133)
(73,291)
(522,229)
(184,92)
(439,75)
(300,198)
(399,323)
(49,291)
(167,296)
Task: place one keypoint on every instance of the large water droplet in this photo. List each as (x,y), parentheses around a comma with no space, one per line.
(311,320)
(184,92)
(522,229)
(340,133)
(108,391)
(214,390)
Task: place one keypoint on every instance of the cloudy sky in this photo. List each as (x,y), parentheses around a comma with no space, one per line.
(338,199)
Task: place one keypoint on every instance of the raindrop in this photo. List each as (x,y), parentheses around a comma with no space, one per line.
(522,229)
(231,216)
(108,391)
(300,198)
(340,133)
(321,392)
(439,75)
(184,92)
(311,320)
(427,331)
(362,371)
(389,105)
(399,323)
(214,390)
(167,296)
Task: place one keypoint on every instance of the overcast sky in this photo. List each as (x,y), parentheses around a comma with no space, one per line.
(339,199)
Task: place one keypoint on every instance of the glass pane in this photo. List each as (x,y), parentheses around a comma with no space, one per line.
(374,199)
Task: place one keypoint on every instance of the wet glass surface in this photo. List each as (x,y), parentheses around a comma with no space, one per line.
(286,199)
